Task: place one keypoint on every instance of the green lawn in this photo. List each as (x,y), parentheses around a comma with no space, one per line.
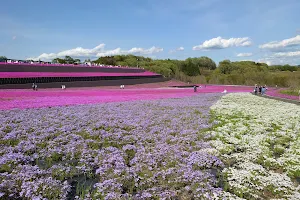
(294,92)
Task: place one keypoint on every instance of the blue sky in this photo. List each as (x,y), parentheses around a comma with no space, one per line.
(258,30)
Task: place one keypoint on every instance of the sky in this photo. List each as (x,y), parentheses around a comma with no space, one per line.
(257,30)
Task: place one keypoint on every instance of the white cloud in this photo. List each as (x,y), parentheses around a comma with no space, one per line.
(14,37)
(220,43)
(267,61)
(288,54)
(177,49)
(109,52)
(152,50)
(244,54)
(134,50)
(273,60)
(281,44)
(282,58)
(98,51)
(77,52)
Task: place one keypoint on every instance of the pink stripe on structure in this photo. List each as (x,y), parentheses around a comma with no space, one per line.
(67,74)
(67,65)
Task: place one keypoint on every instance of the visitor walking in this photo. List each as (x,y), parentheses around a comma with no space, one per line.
(263,90)
(195,88)
(255,90)
(259,89)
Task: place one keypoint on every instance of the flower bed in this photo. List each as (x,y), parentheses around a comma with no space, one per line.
(10,99)
(258,140)
(138,150)
(245,147)
(23,99)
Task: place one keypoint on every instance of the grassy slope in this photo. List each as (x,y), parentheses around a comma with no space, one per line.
(293,92)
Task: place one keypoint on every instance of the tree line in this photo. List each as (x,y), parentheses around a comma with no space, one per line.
(204,70)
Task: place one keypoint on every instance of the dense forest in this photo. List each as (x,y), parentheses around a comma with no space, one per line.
(205,70)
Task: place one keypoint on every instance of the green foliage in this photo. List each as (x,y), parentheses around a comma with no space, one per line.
(66,60)
(5,168)
(130,155)
(107,60)
(205,62)
(7,129)
(291,91)
(3,58)
(59,60)
(283,68)
(225,67)
(250,73)
(10,142)
(190,68)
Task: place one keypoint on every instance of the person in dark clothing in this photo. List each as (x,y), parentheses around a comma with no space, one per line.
(259,89)
(195,88)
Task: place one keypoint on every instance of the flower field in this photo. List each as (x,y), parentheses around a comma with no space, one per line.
(205,146)
(22,99)
(258,140)
(139,150)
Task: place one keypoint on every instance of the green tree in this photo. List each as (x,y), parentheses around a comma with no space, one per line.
(59,60)
(78,61)
(190,68)
(227,72)
(3,58)
(204,63)
(131,61)
(69,60)
(225,67)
